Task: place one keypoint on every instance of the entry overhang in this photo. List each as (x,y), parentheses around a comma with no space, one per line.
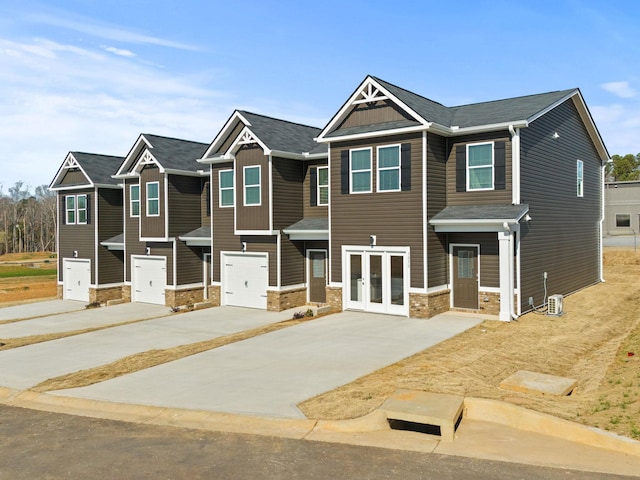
(478,218)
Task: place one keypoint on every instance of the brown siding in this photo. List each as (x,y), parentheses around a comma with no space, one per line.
(438,271)
(562,238)
(503,197)
(190,264)
(287,192)
(369,114)
(133,245)
(231,137)
(489,260)
(308,210)
(223,230)
(252,217)
(395,217)
(184,204)
(110,263)
(80,238)
(292,257)
(205,204)
(73,177)
(152,227)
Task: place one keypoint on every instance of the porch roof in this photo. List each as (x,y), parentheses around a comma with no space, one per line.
(200,237)
(114,243)
(485,218)
(309,229)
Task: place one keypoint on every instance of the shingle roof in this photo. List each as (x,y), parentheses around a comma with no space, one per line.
(201,232)
(281,134)
(98,167)
(467,213)
(176,154)
(312,224)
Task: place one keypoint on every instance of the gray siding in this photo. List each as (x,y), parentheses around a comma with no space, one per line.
(162,249)
(562,237)
(308,210)
(395,217)
(437,257)
(184,197)
(80,238)
(287,192)
(268,244)
(152,227)
(252,217)
(110,263)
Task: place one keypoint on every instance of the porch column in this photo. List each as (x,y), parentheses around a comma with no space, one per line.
(505,241)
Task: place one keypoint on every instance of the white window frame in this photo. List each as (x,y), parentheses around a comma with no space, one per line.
(259,185)
(78,210)
(320,187)
(580,178)
(493,167)
(132,201)
(370,169)
(149,199)
(225,189)
(386,169)
(70,210)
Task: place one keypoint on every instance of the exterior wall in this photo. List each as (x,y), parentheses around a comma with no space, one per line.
(503,197)
(231,137)
(161,249)
(394,217)
(308,210)
(224,238)
(103,295)
(287,192)
(489,258)
(292,256)
(190,264)
(133,245)
(110,262)
(205,204)
(334,298)
(80,238)
(183,297)
(279,301)
(184,195)
(252,217)
(152,227)
(268,244)
(622,198)
(562,238)
(366,114)
(428,305)
(437,252)
(73,177)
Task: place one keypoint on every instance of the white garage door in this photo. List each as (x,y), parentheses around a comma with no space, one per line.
(245,278)
(149,279)
(76,279)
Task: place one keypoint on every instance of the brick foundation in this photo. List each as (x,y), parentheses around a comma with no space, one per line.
(60,292)
(103,295)
(126,293)
(334,298)
(489,303)
(427,305)
(180,298)
(279,301)
(214,295)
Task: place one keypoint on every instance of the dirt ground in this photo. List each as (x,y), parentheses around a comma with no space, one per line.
(20,289)
(596,342)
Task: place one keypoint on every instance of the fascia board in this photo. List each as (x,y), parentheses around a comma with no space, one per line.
(221,134)
(132,153)
(378,133)
(218,160)
(455,131)
(186,173)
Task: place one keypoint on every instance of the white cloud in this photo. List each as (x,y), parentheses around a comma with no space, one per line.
(619,125)
(119,51)
(620,89)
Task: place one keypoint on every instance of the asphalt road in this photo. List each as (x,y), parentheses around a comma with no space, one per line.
(44,445)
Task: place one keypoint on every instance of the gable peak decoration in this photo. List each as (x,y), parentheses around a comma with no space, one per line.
(369,93)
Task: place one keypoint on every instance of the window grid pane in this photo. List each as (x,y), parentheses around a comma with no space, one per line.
(226,188)
(153,199)
(135,200)
(389,157)
(226,198)
(389,179)
(252,186)
(361,182)
(480,177)
(480,155)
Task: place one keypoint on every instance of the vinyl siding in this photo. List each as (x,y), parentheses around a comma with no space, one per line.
(110,262)
(264,244)
(308,210)
(367,114)
(226,144)
(190,264)
(162,249)
(438,266)
(73,177)
(292,258)
(80,238)
(184,204)
(489,259)
(223,230)
(133,245)
(205,205)
(622,198)
(395,217)
(252,217)
(562,238)
(287,192)
(152,227)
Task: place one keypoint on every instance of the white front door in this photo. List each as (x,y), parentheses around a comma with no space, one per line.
(245,278)
(149,279)
(76,279)
(377,280)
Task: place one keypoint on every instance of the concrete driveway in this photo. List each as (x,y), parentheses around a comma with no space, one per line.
(39,309)
(270,374)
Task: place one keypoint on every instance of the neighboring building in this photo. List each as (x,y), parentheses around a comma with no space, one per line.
(165,225)
(89,212)
(622,208)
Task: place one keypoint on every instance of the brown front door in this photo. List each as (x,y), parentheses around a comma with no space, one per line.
(317,276)
(465,277)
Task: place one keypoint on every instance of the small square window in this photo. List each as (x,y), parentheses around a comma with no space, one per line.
(323,186)
(361,170)
(623,220)
(226,198)
(480,166)
(252,194)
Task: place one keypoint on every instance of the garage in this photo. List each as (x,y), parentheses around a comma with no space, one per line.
(148,279)
(245,277)
(76,279)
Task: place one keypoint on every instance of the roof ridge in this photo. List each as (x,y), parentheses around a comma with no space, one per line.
(408,91)
(278,119)
(96,154)
(515,98)
(172,138)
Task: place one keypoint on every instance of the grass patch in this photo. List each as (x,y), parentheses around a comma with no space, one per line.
(14,271)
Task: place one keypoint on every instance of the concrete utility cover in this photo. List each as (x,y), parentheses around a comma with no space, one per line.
(533,382)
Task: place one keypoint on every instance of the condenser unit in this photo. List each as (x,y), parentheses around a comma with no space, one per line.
(555,305)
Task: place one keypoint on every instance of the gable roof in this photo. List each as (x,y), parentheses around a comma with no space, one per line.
(97,169)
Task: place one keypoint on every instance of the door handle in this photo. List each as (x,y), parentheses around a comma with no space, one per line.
(151,283)
(246,283)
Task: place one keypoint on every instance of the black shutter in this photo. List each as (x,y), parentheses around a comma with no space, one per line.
(63,209)
(499,173)
(88,208)
(208,199)
(461,168)
(313,178)
(405,167)
(344,171)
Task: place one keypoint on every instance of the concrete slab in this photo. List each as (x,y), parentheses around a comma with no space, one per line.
(270,374)
(525,381)
(85,318)
(28,366)
(39,309)
(425,408)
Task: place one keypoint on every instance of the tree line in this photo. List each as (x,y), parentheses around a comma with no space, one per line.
(623,168)
(27,219)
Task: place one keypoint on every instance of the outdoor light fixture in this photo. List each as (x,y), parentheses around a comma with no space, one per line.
(556,135)
(148,250)
(243,246)
(75,254)
(372,240)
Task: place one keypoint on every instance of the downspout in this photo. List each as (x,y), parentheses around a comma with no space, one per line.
(602,212)
(515,200)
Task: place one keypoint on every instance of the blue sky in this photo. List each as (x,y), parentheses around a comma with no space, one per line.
(92,75)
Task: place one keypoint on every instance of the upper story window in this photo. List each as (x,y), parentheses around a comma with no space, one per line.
(252,194)
(70,208)
(323,186)
(389,168)
(580,178)
(81,209)
(153,199)
(226,197)
(480,166)
(134,200)
(76,209)
(360,163)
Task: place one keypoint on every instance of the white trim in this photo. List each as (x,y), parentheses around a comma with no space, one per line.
(147,198)
(196,241)
(451,272)
(185,286)
(222,134)
(287,288)
(370,170)
(223,280)
(602,219)
(246,137)
(488,289)
(133,276)
(379,133)
(244,186)
(506,261)
(94,220)
(270,191)
(388,169)
(155,239)
(329,219)
(232,188)
(439,288)
(425,221)
(186,173)
(256,232)
(336,285)
(205,293)
(307,234)
(515,165)
(78,209)
(146,159)
(70,162)
(580,178)
(278,261)
(455,131)
(174,262)
(318,186)
(468,146)
(140,143)
(165,199)
(308,269)
(131,215)
(67,210)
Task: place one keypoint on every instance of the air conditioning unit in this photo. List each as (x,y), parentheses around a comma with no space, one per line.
(555,305)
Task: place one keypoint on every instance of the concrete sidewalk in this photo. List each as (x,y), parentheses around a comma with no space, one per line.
(270,374)
(40,309)
(25,367)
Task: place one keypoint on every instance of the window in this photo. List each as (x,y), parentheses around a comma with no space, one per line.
(70,206)
(361,170)
(81,209)
(153,199)
(623,220)
(580,178)
(480,166)
(323,186)
(134,200)
(252,185)
(389,168)
(225,178)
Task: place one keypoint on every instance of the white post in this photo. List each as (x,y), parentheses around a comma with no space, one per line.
(505,241)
